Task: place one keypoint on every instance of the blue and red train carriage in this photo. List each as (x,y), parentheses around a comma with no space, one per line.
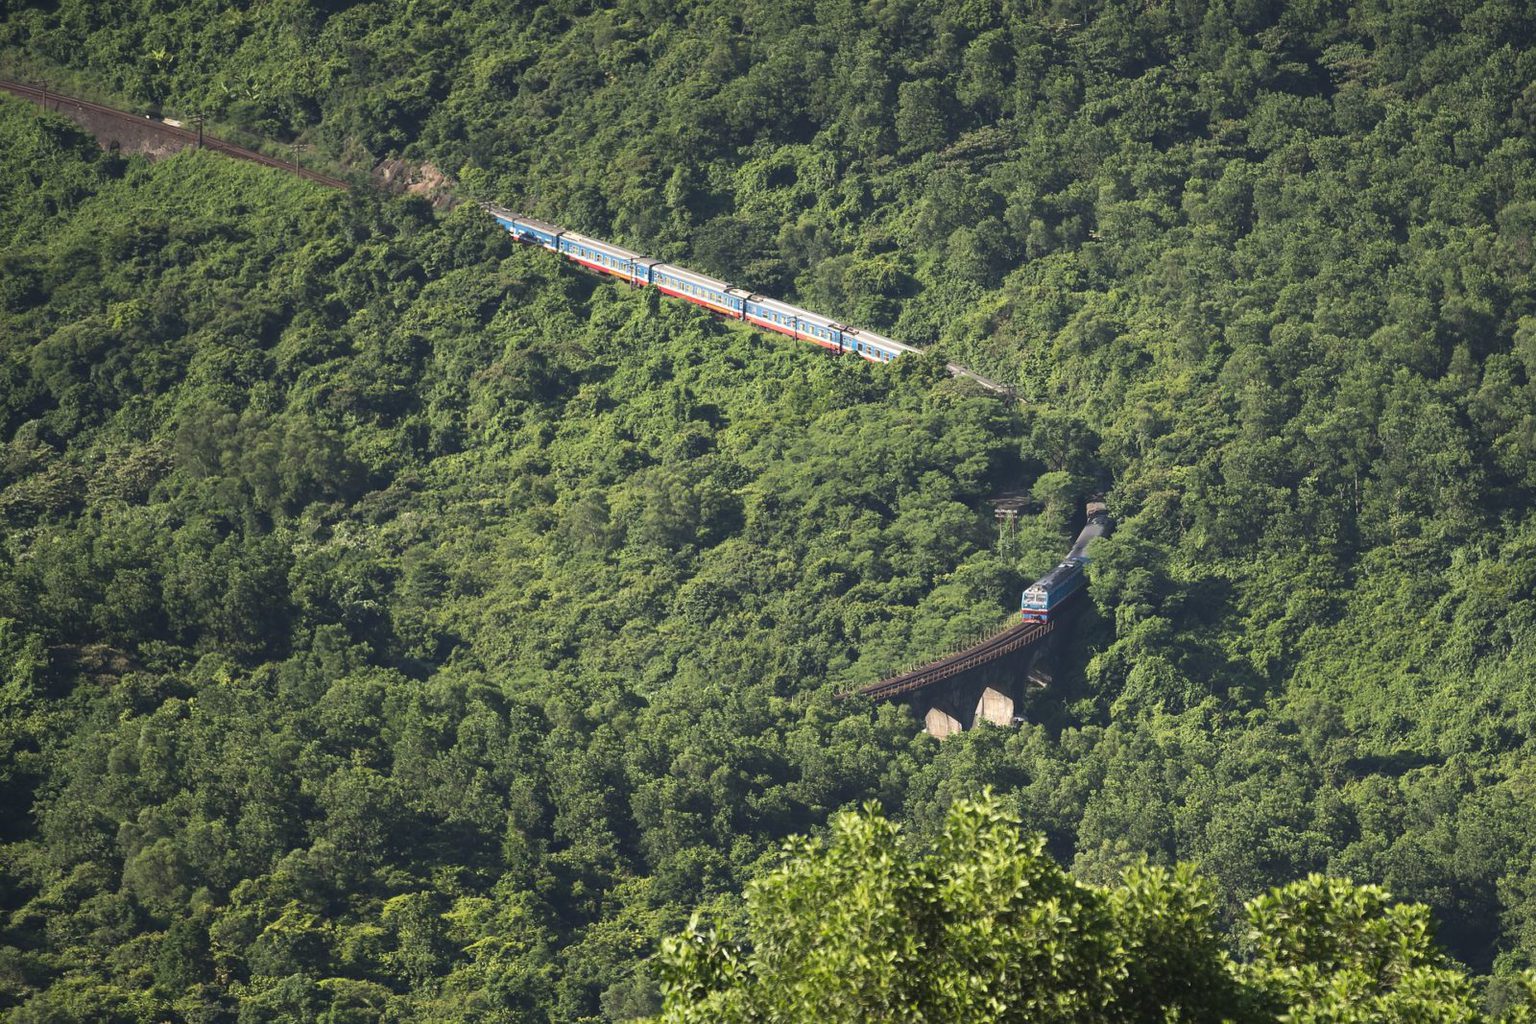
(709,292)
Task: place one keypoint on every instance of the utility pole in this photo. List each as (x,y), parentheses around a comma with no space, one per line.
(1007,524)
(197,119)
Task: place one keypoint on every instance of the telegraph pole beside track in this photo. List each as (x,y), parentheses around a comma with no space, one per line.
(197,119)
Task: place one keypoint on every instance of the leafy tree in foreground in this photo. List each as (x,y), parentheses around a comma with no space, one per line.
(984,927)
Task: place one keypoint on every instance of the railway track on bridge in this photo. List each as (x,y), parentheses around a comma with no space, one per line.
(64,104)
(1008,641)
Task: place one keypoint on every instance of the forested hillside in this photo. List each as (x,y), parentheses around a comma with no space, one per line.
(557,581)
(394,620)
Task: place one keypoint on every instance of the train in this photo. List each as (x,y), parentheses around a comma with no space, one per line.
(709,292)
(1046,595)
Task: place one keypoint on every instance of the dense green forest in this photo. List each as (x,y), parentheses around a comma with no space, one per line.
(395,620)
(984,927)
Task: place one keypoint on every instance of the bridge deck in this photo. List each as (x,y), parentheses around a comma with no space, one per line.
(1014,638)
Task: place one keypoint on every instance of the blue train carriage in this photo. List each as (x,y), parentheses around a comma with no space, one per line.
(1050,591)
(607,257)
(877,348)
(709,292)
(793,321)
(527,229)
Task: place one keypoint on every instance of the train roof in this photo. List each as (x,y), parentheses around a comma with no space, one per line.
(866,335)
(533,222)
(1097,527)
(786,309)
(607,248)
(1063,572)
(694,278)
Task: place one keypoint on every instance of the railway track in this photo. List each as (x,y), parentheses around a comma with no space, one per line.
(63,103)
(1004,642)
(1012,639)
(57,101)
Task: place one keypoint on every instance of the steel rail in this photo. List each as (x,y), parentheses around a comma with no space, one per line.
(47,97)
(1012,639)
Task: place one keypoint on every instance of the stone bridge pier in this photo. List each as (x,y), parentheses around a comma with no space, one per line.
(993,693)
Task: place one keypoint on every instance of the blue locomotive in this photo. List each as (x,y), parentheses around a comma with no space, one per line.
(1053,590)
(703,290)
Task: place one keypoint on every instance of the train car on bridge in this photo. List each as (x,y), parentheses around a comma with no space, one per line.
(1052,590)
(877,348)
(700,289)
(526,229)
(607,257)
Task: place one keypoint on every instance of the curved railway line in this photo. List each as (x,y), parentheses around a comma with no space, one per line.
(45,98)
(1006,641)
(185,136)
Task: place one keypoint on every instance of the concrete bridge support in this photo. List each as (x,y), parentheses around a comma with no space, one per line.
(993,694)
(940,722)
(995,706)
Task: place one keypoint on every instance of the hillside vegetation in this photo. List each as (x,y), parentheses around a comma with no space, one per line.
(1264,270)
(394,621)
(983,927)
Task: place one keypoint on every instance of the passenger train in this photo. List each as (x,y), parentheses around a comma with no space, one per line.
(709,292)
(1042,597)
(1052,590)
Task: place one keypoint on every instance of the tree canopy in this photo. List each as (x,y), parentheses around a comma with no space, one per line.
(981,925)
(398,623)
